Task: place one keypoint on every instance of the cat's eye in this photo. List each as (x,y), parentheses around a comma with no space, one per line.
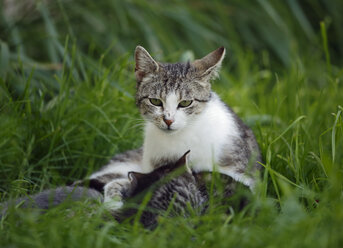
(185,103)
(155,101)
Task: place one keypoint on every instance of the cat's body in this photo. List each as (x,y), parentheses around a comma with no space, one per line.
(182,113)
(214,137)
(53,197)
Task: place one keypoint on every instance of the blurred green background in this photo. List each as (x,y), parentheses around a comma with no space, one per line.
(67,105)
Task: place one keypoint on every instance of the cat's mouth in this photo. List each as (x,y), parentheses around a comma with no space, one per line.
(168,129)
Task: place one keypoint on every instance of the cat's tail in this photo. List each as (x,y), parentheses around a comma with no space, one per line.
(51,198)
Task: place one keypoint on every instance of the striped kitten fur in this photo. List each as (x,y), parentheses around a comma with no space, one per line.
(173,186)
(182,113)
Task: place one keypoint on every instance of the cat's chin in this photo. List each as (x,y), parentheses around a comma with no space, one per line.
(168,130)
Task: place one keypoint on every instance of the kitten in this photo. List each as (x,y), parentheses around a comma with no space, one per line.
(181,194)
(52,197)
(181,113)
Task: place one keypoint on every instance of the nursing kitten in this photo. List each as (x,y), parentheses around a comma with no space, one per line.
(174,187)
(182,113)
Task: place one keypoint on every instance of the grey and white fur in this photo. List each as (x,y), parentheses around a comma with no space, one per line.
(182,113)
(53,197)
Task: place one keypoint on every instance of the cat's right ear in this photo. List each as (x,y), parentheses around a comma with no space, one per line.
(145,64)
(207,67)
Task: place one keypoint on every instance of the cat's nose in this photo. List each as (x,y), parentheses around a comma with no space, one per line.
(168,122)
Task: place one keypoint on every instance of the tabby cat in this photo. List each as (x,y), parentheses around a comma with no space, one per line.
(182,113)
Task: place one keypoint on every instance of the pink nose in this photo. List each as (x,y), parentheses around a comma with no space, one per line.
(168,122)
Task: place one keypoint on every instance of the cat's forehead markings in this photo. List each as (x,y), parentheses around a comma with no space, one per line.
(176,70)
(171,100)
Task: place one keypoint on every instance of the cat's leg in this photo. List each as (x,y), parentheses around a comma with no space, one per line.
(240,162)
(115,193)
(247,179)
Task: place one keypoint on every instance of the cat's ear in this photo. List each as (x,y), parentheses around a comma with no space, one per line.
(145,64)
(207,67)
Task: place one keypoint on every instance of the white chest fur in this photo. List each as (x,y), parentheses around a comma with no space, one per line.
(205,136)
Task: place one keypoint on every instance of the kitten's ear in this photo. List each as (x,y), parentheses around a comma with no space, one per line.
(135,176)
(145,64)
(183,161)
(207,68)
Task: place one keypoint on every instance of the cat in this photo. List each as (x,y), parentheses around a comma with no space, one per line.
(52,197)
(181,112)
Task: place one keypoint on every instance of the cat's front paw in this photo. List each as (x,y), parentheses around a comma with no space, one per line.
(114,204)
(115,192)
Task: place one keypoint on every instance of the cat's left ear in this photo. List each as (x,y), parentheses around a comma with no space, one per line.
(145,64)
(207,67)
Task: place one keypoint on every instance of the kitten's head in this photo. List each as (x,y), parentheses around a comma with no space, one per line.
(141,181)
(171,95)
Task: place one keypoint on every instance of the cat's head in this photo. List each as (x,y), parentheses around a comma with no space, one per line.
(141,181)
(172,95)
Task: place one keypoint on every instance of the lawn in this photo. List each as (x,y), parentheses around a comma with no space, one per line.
(67,106)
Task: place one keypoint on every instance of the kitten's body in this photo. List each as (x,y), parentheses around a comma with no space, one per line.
(182,196)
(182,113)
(173,186)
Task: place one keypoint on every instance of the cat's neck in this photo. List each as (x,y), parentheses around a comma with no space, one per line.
(205,136)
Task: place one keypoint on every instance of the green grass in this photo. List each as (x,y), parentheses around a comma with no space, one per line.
(67,105)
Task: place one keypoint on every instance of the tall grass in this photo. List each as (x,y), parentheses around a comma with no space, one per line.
(67,105)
